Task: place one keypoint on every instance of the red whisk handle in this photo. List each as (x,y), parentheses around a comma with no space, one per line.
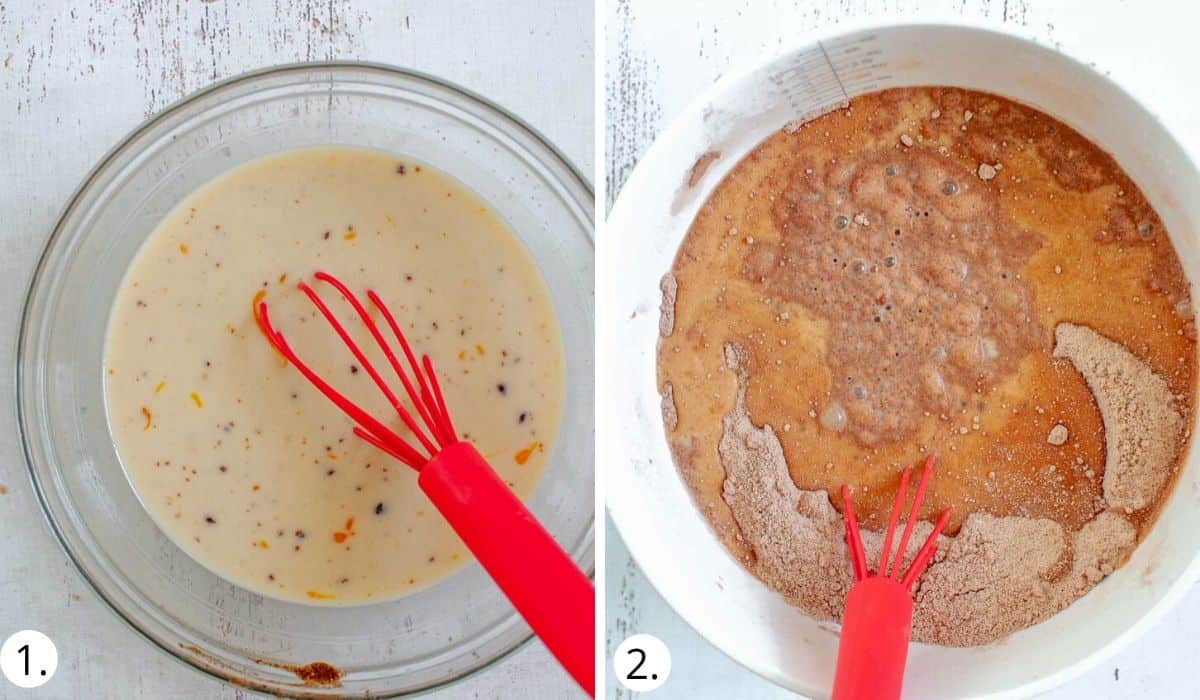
(538,577)
(874,643)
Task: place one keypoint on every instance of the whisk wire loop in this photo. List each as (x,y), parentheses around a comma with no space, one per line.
(923,555)
(425,395)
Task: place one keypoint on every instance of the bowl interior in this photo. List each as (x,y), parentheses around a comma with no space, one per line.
(645,494)
(428,638)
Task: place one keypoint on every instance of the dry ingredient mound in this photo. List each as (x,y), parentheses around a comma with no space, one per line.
(996,576)
(1142,425)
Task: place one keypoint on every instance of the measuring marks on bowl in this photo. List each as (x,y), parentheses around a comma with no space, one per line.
(796,89)
(824,77)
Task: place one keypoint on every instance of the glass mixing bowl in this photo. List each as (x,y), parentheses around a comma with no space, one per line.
(415,643)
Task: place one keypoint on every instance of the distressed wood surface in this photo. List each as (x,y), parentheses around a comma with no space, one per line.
(76,77)
(658,56)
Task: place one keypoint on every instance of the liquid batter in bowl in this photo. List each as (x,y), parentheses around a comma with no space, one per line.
(930,270)
(239,460)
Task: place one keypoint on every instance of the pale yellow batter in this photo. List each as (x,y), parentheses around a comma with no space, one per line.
(245,465)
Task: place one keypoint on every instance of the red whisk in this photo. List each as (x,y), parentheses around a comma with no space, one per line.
(540,580)
(878,616)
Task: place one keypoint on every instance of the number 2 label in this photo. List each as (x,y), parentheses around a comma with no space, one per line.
(642,663)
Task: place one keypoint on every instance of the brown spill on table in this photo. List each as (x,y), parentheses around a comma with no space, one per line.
(316,674)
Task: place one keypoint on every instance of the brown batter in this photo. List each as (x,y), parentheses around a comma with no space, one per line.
(891,277)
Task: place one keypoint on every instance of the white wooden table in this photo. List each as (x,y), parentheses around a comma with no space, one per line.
(660,55)
(73,81)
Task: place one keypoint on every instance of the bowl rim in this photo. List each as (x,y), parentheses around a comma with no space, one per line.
(739,72)
(506,119)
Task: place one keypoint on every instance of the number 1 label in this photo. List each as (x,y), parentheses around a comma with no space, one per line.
(28,659)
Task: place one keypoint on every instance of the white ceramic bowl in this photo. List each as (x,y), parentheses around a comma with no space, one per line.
(647,500)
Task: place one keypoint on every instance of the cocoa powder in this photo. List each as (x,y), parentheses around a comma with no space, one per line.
(1142,426)
(996,576)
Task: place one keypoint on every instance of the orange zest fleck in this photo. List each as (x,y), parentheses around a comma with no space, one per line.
(282,279)
(523,456)
(258,297)
(317,595)
(255,487)
(161,385)
(479,349)
(196,400)
(462,354)
(263,544)
(146,413)
(183,248)
(350,235)
(348,528)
